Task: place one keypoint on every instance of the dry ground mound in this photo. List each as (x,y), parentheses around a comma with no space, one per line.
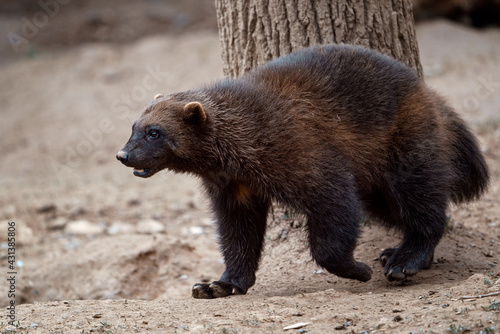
(104,251)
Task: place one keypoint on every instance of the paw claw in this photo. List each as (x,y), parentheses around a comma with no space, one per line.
(215,289)
(202,291)
(393,275)
(386,255)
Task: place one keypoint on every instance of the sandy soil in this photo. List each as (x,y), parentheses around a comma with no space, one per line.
(104,251)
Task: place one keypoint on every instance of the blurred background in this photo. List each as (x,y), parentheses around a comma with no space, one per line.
(75,74)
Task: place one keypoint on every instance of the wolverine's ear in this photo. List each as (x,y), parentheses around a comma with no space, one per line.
(194,112)
(157,96)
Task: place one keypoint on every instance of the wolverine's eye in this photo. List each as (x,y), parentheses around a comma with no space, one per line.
(153,134)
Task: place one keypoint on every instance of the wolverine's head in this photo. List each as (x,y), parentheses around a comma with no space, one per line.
(167,135)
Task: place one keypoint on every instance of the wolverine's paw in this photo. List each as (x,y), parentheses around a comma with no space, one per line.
(363,272)
(358,271)
(215,289)
(399,264)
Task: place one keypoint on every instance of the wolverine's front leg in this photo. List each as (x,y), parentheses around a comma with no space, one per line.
(241,222)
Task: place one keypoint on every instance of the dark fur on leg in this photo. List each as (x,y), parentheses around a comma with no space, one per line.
(241,222)
(417,191)
(333,217)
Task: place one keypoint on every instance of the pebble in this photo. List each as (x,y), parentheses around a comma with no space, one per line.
(46,208)
(150,226)
(494,224)
(284,234)
(133,202)
(83,227)
(77,211)
(57,224)
(25,236)
(296,326)
(193,230)
(488,253)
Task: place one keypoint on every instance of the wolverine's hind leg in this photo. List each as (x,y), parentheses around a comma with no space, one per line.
(417,202)
(333,217)
(332,238)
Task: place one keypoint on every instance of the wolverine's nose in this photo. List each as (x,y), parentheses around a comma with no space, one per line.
(122,156)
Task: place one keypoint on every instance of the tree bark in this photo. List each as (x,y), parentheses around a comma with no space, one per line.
(253,32)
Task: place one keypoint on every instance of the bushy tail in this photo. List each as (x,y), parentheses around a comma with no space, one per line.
(470,169)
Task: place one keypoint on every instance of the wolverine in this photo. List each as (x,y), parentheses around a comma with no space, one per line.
(335,132)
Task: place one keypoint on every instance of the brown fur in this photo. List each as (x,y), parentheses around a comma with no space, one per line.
(242,193)
(333,132)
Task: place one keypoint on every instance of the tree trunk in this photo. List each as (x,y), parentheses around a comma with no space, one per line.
(252,32)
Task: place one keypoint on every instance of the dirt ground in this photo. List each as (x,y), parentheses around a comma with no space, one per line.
(99,250)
